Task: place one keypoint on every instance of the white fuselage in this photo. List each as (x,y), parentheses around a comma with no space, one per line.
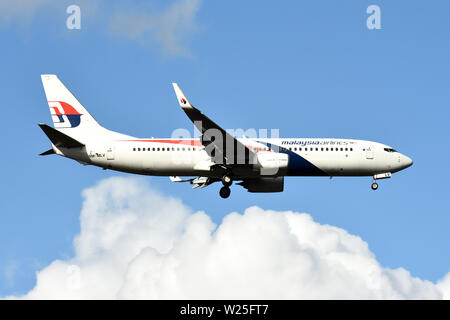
(187,157)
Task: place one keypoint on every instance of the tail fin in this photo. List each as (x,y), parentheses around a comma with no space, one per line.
(66,111)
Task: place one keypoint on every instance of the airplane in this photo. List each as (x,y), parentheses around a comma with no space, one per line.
(257,164)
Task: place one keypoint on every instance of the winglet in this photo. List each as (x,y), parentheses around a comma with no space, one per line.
(182,100)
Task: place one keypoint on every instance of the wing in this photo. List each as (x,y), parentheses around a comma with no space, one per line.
(222,147)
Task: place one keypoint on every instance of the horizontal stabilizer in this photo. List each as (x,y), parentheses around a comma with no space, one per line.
(60,139)
(48,152)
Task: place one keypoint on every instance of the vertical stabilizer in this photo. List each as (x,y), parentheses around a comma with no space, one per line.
(66,111)
(70,117)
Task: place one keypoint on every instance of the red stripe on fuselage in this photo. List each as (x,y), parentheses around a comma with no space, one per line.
(195,143)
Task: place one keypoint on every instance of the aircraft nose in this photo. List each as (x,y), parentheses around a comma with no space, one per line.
(407,161)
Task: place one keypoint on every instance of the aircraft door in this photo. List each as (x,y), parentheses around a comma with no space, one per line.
(370,154)
(110,153)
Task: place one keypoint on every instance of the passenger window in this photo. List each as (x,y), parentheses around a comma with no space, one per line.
(134,149)
(139,149)
(342,149)
(321,149)
(157,149)
(327,149)
(153,149)
(346,149)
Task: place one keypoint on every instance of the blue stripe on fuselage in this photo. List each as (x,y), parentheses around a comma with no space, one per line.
(298,166)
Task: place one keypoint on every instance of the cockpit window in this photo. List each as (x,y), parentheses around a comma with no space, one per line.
(390,150)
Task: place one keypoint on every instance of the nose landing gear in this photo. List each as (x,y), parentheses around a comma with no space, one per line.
(380,176)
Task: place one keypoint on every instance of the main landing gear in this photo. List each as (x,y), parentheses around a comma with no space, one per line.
(225,191)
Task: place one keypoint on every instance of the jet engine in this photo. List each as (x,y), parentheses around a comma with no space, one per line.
(272,163)
(266,184)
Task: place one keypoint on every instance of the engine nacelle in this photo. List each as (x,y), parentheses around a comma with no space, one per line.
(269,184)
(272,163)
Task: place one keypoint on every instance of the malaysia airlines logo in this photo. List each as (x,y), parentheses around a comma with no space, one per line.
(64,115)
(183,100)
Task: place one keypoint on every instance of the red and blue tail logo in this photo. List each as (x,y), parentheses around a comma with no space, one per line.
(64,115)
(183,100)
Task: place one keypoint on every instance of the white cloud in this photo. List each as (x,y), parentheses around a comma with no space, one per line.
(20,10)
(171,28)
(136,243)
(444,286)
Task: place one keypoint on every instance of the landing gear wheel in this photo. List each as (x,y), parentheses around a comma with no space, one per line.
(227,180)
(225,192)
(374,186)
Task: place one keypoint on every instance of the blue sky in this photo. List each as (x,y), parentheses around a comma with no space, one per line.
(309,69)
